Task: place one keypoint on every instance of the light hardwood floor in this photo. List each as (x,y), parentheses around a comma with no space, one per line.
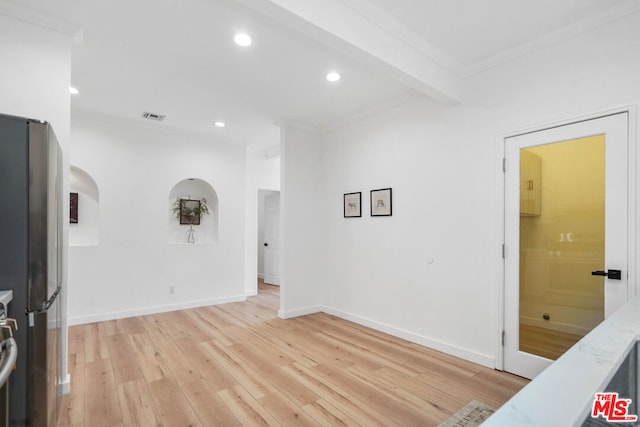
(546,342)
(239,364)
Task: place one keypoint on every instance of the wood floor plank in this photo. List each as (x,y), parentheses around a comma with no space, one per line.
(171,403)
(443,400)
(151,364)
(395,409)
(272,372)
(113,327)
(206,366)
(357,352)
(172,324)
(137,404)
(202,328)
(133,325)
(328,415)
(72,411)
(287,343)
(240,364)
(339,396)
(287,412)
(416,357)
(262,339)
(429,403)
(246,408)
(76,337)
(170,354)
(95,343)
(187,327)
(251,382)
(321,352)
(470,388)
(545,342)
(209,408)
(124,359)
(102,407)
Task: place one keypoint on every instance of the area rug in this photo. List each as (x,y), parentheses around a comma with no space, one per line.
(473,414)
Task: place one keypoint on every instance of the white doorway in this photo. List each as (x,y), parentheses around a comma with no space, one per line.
(566,237)
(269,236)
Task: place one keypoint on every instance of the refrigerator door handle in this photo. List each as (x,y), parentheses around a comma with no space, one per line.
(49,302)
(31,315)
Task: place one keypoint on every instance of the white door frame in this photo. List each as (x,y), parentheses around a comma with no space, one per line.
(633,222)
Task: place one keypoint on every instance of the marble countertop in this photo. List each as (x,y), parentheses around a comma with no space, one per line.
(563,394)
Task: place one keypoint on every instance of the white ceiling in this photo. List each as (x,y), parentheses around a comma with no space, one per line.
(473,32)
(177,57)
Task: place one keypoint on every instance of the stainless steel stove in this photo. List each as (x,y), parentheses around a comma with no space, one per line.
(8,354)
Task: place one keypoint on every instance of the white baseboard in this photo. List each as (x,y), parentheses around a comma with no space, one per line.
(101,317)
(300,312)
(260,276)
(453,350)
(555,326)
(65,385)
(480,359)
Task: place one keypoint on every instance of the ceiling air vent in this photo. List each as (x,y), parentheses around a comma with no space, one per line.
(152,116)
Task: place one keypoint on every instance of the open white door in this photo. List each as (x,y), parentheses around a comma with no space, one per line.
(272,239)
(566,237)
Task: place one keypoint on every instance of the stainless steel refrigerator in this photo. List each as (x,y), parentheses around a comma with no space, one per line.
(31,264)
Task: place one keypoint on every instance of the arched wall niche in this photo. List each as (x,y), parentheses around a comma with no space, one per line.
(86,231)
(207,230)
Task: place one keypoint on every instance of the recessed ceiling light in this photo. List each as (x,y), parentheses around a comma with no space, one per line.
(73,90)
(333,76)
(220,124)
(242,39)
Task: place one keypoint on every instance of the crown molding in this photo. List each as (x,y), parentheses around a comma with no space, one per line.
(552,38)
(32,16)
(393,27)
(386,22)
(298,125)
(379,108)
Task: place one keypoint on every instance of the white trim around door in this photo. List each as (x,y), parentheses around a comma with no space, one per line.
(633,265)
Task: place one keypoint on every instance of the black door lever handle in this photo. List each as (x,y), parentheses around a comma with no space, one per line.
(611,274)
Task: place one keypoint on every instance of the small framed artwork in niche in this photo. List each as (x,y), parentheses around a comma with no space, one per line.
(381,202)
(73,208)
(352,205)
(189,212)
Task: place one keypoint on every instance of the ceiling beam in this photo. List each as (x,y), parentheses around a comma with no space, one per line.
(35,17)
(354,27)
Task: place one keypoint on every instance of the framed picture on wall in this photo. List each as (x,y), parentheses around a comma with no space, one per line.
(352,205)
(189,212)
(381,202)
(73,208)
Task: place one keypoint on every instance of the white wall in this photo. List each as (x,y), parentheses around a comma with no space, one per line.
(35,73)
(430,273)
(303,223)
(263,172)
(133,270)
